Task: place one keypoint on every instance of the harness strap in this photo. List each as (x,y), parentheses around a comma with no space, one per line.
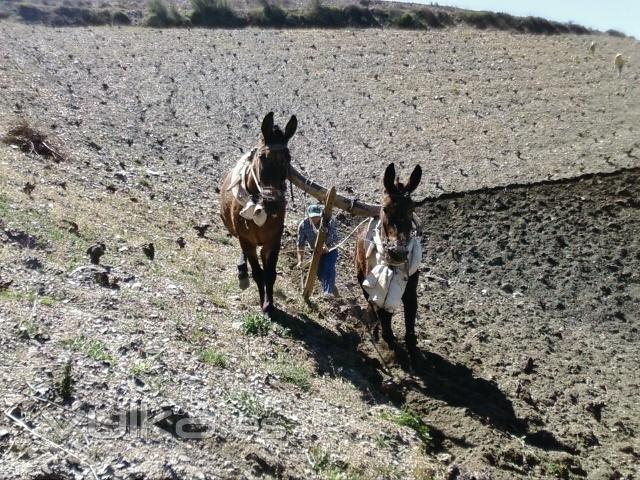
(252,172)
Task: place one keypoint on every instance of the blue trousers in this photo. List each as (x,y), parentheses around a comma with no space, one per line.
(327,271)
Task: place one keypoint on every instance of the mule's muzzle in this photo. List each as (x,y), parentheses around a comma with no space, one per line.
(273,200)
(397,252)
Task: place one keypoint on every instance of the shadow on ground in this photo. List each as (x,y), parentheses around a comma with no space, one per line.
(435,377)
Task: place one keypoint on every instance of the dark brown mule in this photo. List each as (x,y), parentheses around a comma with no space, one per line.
(396,215)
(265,182)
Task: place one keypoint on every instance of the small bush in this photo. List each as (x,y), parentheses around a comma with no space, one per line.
(407,418)
(213,357)
(77,16)
(434,19)
(615,33)
(407,20)
(270,15)
(335,17)
(121,18)
(30,13)
(215,13)
(64,385)
(159,14)
(255,324)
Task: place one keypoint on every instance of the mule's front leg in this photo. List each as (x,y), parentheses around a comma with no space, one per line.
(270,263)
(410,301)
(243,272)
(385,323)
(250,254)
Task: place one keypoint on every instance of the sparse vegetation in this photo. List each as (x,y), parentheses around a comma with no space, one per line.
(144,367)
(220,14)
(270,15)
(213,357)
(291,371)
(408,418)
(327,468)
(256,324)
(68,16)
(93,349)
(160,14)
(64,385)
(215,13)
(31,13)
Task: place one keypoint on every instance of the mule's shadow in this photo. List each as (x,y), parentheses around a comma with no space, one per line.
(436,377)
(337,355)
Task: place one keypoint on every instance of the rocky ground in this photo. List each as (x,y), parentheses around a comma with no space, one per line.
(529,297)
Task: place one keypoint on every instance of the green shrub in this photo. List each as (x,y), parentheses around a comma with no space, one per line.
(319,15)
(407,20)
(434,19)
(290,371)
(121,18)
(270,15)
(255,324)
(213,357)
(615,33)
(77,16)
(64,384)
(159,14)
(407,418)
(215,13)
(93,349)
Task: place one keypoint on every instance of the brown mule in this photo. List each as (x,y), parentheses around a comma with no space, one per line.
(396,216)
(264,181)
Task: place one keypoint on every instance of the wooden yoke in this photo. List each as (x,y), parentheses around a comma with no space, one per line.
(320,238)
(354,207)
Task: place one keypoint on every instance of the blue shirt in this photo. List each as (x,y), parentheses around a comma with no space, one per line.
(307,234)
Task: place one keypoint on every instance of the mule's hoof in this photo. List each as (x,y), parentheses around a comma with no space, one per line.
(243,282)
(268,311)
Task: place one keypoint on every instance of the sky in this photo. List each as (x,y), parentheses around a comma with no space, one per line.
(623,15)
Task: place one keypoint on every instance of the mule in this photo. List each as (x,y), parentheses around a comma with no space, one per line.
(398,235)
(264,181)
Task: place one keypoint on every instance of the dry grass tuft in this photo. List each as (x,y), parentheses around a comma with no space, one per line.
(30,140)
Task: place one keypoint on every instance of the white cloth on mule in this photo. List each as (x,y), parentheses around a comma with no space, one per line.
(251,210)
(386,282)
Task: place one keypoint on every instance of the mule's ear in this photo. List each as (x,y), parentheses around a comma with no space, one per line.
(267,127)
(414,179)
(389,180)
(290,129)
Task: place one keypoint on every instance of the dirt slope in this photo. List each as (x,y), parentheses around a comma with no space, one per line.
(149,120)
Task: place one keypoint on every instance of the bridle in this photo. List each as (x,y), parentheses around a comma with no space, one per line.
(264,192)
(414,234)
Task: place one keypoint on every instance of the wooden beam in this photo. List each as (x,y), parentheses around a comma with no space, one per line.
(354,207)
(317,251)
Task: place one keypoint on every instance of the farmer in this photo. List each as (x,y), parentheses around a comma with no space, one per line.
(307,233)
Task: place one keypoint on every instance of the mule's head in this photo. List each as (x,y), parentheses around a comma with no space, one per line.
(273,161)
(397,212)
